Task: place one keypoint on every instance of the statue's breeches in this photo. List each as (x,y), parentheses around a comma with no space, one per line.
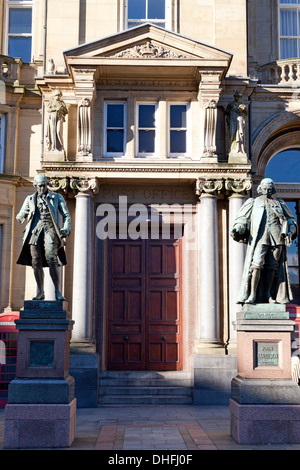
(266,256)
(47,244)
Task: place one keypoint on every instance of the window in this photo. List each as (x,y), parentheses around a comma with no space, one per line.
(114,128)
(2,142)
(289,28)
(177,129)
(146,129)
(19,29)
(147,11)
(284,168)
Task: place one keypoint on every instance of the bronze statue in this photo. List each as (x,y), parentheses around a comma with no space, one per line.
(42,241)
(267,225)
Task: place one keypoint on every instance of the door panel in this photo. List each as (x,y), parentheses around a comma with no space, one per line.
(144,305)
(126,306)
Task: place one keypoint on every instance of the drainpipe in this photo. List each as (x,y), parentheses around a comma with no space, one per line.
(44,72)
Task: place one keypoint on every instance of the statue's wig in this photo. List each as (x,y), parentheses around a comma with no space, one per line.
(38,179)
(267,181)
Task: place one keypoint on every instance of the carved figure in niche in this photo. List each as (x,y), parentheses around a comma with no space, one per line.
(42,241)
(84,127)
(267,225)
(236,113)
(57,111)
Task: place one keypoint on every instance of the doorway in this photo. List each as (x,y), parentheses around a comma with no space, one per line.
(144,305)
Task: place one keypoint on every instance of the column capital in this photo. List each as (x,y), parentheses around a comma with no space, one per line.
(59,183)
(84,186)
(209,187)
(238,186)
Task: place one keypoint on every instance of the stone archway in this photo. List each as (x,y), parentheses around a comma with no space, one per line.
(280,133)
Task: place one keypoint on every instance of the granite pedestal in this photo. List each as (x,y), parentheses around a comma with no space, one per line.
(265,401)
(41,409)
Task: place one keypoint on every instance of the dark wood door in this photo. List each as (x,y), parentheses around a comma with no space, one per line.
(144,305)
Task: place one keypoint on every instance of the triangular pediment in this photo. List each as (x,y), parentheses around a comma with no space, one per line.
(147,42)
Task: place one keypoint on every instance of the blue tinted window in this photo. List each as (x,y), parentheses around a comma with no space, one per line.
(140,11)
(115,115)
(156,9)
(136,9)
(19,46)
(115,128)
(146,141)
(20,21)
(147,115)
(178,141)
(178,115)
(284,167)
(115,141)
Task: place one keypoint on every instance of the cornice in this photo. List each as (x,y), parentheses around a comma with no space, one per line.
(121,168)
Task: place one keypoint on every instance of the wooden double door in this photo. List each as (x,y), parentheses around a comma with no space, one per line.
(144,305)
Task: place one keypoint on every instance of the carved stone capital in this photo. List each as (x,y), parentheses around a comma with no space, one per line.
(84,185)
(57,183)
(238,186)
(209,186)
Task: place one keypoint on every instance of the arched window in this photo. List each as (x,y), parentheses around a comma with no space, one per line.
(284,168)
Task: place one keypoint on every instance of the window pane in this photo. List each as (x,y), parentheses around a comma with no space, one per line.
(146,141)
(288,22)
(156,9)
(178,141)
(115,140)
(288,48)
(178,116)
(20,47)
(147,115)
(292,2)
(20,20)
(115,115)
(136,9)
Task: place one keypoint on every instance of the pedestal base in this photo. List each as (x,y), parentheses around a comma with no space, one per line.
(39,426)
(264,424)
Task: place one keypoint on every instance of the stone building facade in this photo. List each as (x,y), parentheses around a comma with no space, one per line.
(173,111)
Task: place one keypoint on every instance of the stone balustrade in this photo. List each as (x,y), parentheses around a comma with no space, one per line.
(281,72)
(9,68)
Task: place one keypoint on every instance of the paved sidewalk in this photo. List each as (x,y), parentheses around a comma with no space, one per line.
(156,428)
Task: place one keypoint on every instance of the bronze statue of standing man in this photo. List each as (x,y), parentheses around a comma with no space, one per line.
(267,226)
(42,241)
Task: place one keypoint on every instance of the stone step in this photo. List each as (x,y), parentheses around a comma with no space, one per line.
(145,387)
(122,390)
(143,382)
(144,400)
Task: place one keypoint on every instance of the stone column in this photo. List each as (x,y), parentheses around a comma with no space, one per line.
(83,264)
(238,190)
(209,261)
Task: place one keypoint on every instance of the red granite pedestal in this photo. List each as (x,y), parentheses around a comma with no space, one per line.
(41,409)
(265,401)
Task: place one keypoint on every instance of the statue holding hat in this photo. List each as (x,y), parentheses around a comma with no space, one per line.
(268,227)
(43,236)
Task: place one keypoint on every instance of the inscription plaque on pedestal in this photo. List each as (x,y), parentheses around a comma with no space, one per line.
(266,354)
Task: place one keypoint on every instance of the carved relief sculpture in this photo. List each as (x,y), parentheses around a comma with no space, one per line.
(236,113)
(210,129)
(57,111)
(267,226)
(84,127)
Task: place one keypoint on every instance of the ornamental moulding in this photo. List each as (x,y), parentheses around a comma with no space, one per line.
(54,166)
(148,51)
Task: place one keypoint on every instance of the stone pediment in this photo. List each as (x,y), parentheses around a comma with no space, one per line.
(148,50)
(147,42)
